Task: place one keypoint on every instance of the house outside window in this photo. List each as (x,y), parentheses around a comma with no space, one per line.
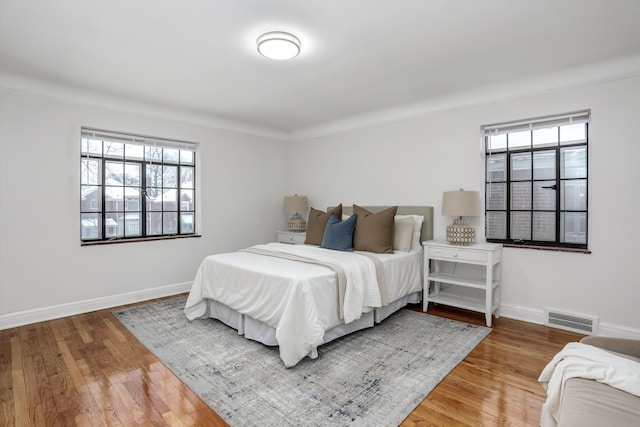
(536,182)
(135,187)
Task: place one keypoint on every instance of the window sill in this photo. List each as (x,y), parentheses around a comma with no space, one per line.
(547,248)
(146,239)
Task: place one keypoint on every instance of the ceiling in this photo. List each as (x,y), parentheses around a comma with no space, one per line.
(358,57)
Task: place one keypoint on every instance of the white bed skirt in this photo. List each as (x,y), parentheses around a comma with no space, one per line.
(258,331)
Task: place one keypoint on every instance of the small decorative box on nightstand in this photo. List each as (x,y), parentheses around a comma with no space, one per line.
(451,286)
(293,237)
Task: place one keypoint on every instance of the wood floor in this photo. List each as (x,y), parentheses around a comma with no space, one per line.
(88,370)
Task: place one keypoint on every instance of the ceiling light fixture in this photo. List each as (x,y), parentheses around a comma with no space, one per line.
(278,45)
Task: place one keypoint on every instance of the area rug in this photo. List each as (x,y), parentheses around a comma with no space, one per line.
(374,377)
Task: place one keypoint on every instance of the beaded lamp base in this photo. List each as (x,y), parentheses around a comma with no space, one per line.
(297,223)
(460,234)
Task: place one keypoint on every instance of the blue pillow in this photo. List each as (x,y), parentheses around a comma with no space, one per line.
(338,234)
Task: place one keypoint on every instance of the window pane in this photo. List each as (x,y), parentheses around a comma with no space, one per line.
(114,226)
(497,142)
(154,175)
(520,166)
(171,155)
(544,199)
(113,149)
(544,165)
(521,226)
(548,136)
(91,227)
(132,199)
(521,195)
(132,225)
(152,153)
(91,146)
(154,223)
(573,227)
(573,162)
(114,173)
(186,223)
(186,177)
(497,196)
(154,199)
(170,200)
(91,198)
(114,199)
(170,223)
(573,195)
(573,133)
(90,172)
(520,139)
(186,200)
(170,176)
(496,225)
(186,157)
(544,226)
(134,151)
(132,174)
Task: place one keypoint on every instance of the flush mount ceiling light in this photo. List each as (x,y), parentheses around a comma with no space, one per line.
(278,45)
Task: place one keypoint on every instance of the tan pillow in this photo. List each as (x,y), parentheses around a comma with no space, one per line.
(374,231)
(316,224)
(402,233)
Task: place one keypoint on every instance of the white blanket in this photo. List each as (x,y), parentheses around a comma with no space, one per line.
(286,295)
(577,360)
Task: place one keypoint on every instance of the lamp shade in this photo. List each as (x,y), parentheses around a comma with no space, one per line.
(295,204)
(461,203)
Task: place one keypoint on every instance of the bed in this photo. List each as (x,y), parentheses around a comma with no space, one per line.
(299,297)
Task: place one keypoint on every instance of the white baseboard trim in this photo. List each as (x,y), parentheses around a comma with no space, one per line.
(531,315)
(526,314)
(35,315)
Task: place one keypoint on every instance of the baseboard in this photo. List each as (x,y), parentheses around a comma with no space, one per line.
(536,316)
(35,315)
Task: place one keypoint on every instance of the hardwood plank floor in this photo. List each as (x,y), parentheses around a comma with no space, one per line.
(88,370)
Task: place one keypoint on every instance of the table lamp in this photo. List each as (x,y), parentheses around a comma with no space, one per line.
(294,205)
(461,203)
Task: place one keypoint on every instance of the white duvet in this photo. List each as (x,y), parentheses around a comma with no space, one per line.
(286,295)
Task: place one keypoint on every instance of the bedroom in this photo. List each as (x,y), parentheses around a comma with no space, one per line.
(405,155)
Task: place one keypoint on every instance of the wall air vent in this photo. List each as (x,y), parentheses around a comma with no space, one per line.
(579,323)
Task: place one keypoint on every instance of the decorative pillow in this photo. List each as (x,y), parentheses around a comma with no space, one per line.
(316,224)
(416,244)
(338,234)
(402,233)
(374,231)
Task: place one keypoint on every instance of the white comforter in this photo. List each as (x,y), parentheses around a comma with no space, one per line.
(577,360)
(284,294)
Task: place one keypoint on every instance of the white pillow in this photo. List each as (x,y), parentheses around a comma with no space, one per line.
(402,233)
(416,244)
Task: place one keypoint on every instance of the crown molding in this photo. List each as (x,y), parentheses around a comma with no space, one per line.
(592,74)
(37,87)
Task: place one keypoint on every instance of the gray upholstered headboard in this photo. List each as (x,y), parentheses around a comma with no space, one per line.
(425,211)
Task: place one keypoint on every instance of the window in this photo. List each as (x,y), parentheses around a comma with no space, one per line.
(134,187)
(537,181)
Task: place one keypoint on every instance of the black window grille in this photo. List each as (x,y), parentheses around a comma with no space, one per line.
(134,187)
(536,184)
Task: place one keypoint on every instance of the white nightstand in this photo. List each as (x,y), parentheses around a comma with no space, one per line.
(452,287)
(293,237)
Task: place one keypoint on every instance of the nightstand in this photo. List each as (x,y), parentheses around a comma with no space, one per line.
(466,277)
(293,237)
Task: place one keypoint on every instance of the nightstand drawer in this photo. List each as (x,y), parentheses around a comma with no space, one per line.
(454,254)
(293,237)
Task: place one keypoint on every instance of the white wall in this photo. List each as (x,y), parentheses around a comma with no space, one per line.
(414,161)
(44,272)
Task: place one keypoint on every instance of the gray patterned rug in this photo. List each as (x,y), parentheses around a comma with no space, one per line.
(374,377)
